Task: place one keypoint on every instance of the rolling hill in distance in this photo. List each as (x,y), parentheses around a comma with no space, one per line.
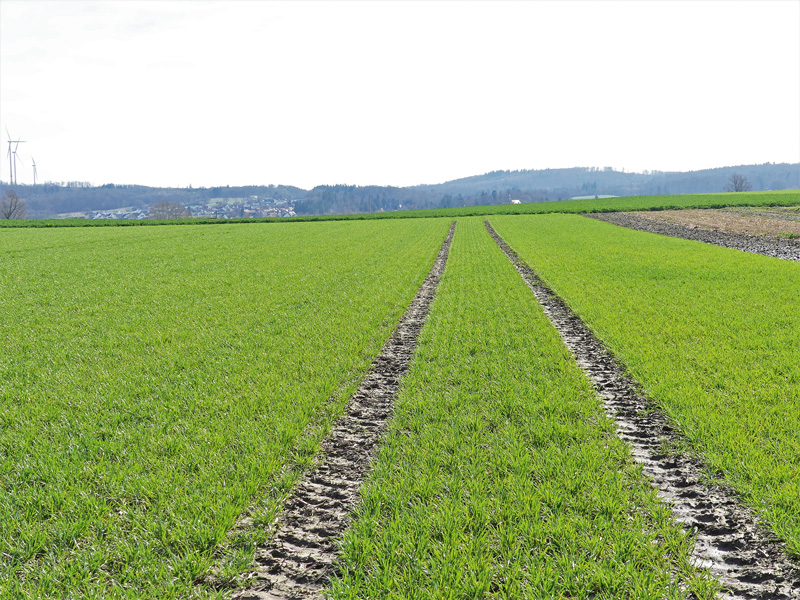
(53,199)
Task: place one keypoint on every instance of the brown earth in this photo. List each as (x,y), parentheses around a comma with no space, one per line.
(775,244)
(737,548)
(774,223)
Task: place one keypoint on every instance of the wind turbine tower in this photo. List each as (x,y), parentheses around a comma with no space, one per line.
(12,158)
(18,142)
(34,170)
(10,164)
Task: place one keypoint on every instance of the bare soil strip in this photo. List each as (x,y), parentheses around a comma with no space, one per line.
(771,223)
(782,213)
(299,559)
(785,248)
(730,541)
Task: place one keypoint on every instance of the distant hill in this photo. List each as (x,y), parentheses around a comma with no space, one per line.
(496,187)
(607,181)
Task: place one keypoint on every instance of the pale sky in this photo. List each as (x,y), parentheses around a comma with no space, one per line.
(392,93)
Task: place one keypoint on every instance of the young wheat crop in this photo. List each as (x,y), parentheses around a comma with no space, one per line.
(155,383)
(500,476)
(711,334)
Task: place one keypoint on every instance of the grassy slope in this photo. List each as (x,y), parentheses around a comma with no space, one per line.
(500,476)
(155,382)
(711,333)
(624,203)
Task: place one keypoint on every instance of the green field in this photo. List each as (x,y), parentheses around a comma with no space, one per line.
(501,477)
(711,334)
(159,384)
(155,383)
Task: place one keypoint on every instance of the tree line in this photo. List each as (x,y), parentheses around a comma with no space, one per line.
(496,187)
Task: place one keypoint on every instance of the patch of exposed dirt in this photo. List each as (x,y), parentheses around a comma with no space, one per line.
(719,227)
(299,558)
(782,213)
(737,549)
(752,222)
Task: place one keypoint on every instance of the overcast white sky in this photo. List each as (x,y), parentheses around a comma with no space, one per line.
(392,93)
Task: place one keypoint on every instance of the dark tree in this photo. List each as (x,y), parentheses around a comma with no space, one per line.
(12,206)
(738,183)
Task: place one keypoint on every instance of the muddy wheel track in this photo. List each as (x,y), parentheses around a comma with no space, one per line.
(737,549)
(298,561)
(787,249)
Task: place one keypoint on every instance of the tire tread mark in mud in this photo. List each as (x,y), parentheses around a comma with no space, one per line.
(785,248)
(729,541)
(298,560)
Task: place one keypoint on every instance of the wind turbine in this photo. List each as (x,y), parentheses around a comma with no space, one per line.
(34,170)
(12,158)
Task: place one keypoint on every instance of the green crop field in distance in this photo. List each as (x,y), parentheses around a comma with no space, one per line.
(157,382)
(623,203)
(500,476)
(711,333)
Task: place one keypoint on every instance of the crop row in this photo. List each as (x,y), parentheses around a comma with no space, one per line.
(710,333)
(501,476)
(158,383)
